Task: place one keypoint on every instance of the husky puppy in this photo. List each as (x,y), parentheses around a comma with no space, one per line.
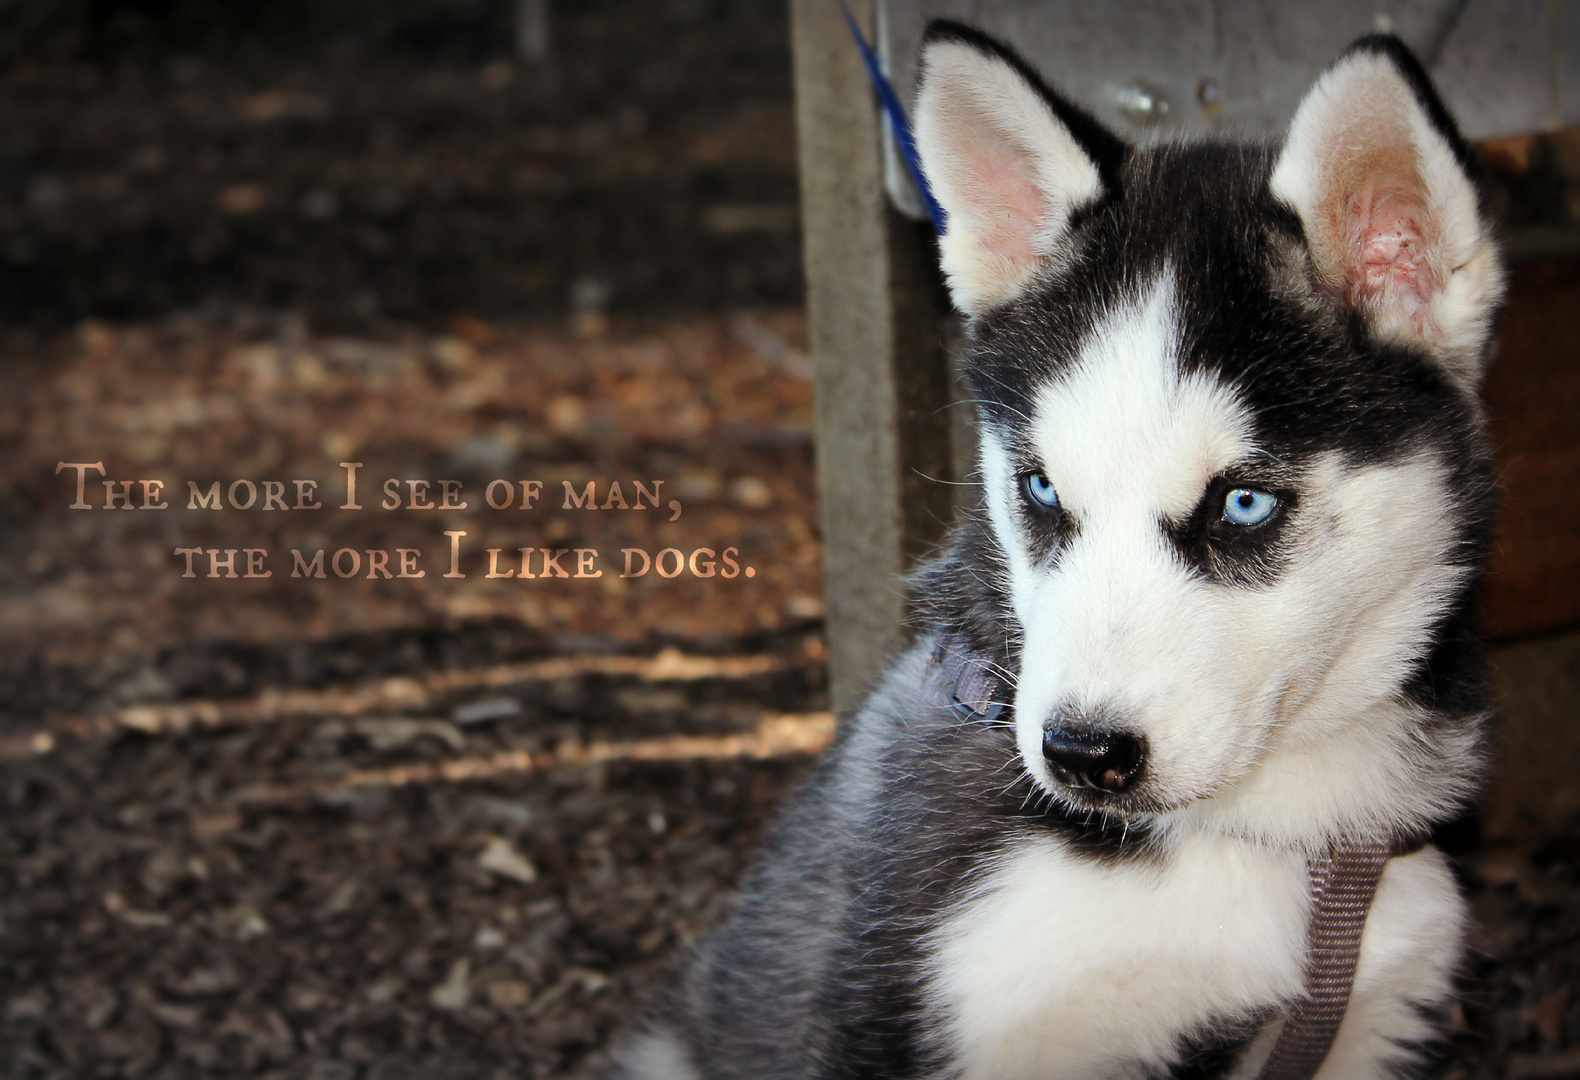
(1214,613)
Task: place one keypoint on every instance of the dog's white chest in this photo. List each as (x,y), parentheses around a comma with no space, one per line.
(1064,966)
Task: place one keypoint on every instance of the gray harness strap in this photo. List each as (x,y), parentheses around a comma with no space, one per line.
(1343,883)
(1342,886)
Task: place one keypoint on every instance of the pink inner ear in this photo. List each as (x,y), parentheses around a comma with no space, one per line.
(1001,190)
(1388,249)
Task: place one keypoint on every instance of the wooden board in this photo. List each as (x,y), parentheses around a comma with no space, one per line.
(875,311)
(1533,395)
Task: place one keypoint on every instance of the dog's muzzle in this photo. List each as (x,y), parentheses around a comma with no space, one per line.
(1097,758)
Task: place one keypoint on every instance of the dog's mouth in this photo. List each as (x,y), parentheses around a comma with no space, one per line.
(1142,801)
(1130,805)
(1111,823)
(1127,799)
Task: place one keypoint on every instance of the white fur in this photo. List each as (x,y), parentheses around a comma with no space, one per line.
(1063,965)
(1295,737)
(1004,168)
(1361,147)
(1059,966)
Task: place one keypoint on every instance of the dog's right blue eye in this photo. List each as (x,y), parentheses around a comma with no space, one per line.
(1039,489)
(1248,506)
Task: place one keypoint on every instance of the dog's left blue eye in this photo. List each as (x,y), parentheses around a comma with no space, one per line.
(1248,506)
(1040,490)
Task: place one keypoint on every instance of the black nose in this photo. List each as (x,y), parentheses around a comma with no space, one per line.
(1099,758)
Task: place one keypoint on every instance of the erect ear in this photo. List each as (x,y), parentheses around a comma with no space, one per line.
(1007,161)
(1381,181)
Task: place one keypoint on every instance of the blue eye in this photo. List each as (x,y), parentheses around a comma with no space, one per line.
(1039,489)
(1248,506)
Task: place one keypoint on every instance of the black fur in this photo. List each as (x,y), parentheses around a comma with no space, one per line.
(1235,554)
(1210,1055)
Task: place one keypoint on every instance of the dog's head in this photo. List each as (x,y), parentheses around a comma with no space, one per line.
(1235,483)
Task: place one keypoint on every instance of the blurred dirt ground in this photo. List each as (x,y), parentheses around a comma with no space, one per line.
(367,830)
(422,827)
(434,827)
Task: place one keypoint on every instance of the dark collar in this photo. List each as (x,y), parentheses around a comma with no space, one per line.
(976,684)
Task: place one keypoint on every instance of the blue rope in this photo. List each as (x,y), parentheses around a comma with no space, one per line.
(897,122)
